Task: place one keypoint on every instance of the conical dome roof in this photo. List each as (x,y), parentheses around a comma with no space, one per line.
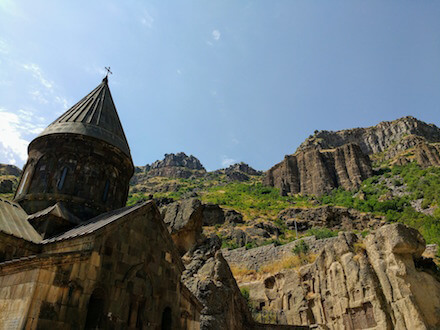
(96,116)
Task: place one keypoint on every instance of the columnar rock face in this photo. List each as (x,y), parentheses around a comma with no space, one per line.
(316,172)
(358,285)
(376,138)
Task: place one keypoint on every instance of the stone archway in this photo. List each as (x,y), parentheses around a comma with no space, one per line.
(167,319)
(95,310)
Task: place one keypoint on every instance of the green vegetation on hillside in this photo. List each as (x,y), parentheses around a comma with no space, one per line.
(391,193)
(253,199)
(420,184)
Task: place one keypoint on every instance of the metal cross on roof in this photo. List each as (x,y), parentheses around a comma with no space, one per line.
(108,71)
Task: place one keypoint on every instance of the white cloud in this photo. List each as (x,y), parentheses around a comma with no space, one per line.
(216,35)
(37,95)
(38,74)
(179,71)
(226,161)
(62,101)
(147,20)
(16,129)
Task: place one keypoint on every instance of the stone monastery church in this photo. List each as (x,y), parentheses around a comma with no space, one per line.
(72,255)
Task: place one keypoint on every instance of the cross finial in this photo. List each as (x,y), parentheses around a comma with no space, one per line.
(108,71)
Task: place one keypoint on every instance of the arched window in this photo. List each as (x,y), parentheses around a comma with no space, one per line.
(42,178)
(95,310)
(62,178)
(167,320)
(23,182)
(106,188)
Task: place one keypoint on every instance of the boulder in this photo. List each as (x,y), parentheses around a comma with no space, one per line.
(213,215)
(209,278)
(184,220)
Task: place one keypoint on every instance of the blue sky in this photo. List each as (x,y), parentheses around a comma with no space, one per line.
(226,81)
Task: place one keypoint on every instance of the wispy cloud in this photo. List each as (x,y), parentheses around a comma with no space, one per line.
(216,35)
(37,73)
(227,161)
(37,96)
(4,47)
(16,129)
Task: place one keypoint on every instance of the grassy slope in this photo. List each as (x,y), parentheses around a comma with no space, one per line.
(257,202)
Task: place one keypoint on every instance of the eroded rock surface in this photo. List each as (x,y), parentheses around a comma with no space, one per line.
(172,166)
(376,138)
(184,220)
(352,284)
(209,278)
(333,217)
(316,172)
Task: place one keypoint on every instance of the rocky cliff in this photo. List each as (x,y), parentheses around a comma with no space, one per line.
(316,172)
(174,166)
(376,138)
(379,283)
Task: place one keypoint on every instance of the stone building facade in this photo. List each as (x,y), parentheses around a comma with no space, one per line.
(72,255)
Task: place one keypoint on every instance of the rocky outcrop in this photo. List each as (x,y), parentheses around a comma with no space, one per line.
(184,220)
(237,172)
(213,215)
(6,169)
(379,283)
(316,172)
(427,154)
(376,138)
(242,167)
(178,160)
(209,278)
(172,166)
(333,217)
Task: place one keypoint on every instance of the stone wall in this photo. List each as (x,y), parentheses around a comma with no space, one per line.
(125,275)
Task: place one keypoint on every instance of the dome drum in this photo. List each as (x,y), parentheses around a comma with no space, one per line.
(88,175)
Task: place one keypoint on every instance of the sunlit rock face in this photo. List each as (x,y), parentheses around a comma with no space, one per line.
(316,172)
(378,283)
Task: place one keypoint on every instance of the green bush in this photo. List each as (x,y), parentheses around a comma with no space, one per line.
(301,248)
(321,233)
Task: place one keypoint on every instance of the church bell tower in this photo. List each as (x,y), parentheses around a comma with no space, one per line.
(81,162)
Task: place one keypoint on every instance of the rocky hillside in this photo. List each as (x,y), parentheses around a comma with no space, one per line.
(316,172)
(172,166)
(380,282)
(9,176)
(374,139)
